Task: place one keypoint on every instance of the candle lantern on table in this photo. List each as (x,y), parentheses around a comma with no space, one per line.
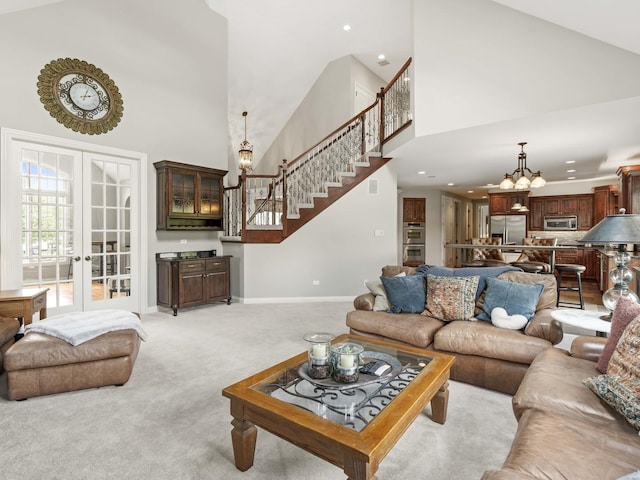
(345,358)
(318,353)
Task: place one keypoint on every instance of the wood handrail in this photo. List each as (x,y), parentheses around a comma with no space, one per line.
(397,76)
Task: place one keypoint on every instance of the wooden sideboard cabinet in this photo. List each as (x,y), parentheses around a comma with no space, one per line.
(187,282)
(189,197)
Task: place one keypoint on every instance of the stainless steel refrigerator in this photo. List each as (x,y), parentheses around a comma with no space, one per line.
(512,228)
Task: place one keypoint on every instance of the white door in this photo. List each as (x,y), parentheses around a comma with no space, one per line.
(79,225)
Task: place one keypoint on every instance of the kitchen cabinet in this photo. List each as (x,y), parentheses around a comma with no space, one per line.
(561,205)
(502,203)
(629,188)
(586,257)
(414,210)
(189,197)
(187,282)
(536,213)
(605,201)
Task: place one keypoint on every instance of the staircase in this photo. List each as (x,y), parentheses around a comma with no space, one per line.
(269,208)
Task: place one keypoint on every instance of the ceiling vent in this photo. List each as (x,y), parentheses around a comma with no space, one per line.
(383,63)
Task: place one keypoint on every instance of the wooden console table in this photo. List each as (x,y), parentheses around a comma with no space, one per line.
(23,303)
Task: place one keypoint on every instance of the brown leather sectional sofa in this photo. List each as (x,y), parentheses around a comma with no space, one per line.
(565,432)
(486,355)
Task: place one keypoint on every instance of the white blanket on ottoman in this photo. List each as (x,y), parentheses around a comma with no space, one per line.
(79,327)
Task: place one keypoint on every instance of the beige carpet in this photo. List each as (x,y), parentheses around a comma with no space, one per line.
(170,420)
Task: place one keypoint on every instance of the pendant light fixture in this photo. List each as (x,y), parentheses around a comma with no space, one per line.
(518,179)
(245,154)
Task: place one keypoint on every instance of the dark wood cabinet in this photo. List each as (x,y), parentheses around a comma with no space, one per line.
(536,213)
(187,282)
(584,257)
(580,205)
(414,210)
(605,201)
(629,188)
(502,203)
(189,197)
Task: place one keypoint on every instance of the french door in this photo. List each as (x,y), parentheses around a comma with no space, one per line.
(79,226)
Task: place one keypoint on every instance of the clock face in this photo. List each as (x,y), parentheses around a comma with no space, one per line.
(84,96)
(80,96)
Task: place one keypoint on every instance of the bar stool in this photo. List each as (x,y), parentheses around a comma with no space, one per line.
(570,269)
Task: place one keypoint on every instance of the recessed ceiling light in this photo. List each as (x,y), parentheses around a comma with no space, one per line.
(469,191)
(570,161)
(451,184)
(422,172)
(571,170)
(381,56)
(571,178)
(346,28)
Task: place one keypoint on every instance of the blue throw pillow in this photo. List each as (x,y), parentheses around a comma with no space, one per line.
(482,272)
(405,294)
(515,298)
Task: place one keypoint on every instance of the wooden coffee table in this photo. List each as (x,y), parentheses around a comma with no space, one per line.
(352,427)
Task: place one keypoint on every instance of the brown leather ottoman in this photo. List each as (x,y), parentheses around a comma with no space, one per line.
(39,364)
(8,329)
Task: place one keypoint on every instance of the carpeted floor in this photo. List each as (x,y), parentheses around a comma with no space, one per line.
(170,420)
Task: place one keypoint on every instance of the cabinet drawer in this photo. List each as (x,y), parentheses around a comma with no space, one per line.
(192,266)
(216,265)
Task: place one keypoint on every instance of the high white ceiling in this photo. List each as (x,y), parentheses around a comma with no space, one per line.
(278,48)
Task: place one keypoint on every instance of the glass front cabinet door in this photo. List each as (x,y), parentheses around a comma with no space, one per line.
(189,197)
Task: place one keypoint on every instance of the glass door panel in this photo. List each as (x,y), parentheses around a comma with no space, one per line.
(48,237)
(110,220)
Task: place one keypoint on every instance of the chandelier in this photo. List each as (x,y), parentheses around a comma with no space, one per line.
(245,154)
(519,179)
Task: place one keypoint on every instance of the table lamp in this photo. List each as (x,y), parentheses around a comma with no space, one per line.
(619,229)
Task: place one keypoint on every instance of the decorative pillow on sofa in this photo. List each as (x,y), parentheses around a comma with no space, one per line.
(620,393)
(405,294)
(626,310)
(380,303)
(451,298)
(515,298)
(481,272)
(620,387)
(501,319)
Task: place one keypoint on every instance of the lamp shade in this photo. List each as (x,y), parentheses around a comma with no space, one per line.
(619,229)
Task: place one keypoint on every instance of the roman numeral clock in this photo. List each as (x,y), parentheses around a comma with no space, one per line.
(80,96)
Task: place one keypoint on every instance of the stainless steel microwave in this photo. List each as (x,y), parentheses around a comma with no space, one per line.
(568,222)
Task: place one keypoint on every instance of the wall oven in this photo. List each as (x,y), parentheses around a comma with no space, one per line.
(413,233)
(413,254)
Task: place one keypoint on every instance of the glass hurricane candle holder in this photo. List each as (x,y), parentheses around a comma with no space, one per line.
(345,358)
(318,353)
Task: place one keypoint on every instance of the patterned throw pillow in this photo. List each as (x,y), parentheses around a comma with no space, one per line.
(620,393)
(620,387)
(626,310)
(451,298)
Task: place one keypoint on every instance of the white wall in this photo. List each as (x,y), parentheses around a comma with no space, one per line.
(327,106)
(477,62)
(338,248)
(169,64)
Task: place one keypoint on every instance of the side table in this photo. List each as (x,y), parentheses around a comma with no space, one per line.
(589,320)
(23,303)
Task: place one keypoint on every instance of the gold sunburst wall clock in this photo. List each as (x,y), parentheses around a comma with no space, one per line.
(80,96)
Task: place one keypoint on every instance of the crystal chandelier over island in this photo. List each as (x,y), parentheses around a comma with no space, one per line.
(245,154)
(619,229)
(518,179)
